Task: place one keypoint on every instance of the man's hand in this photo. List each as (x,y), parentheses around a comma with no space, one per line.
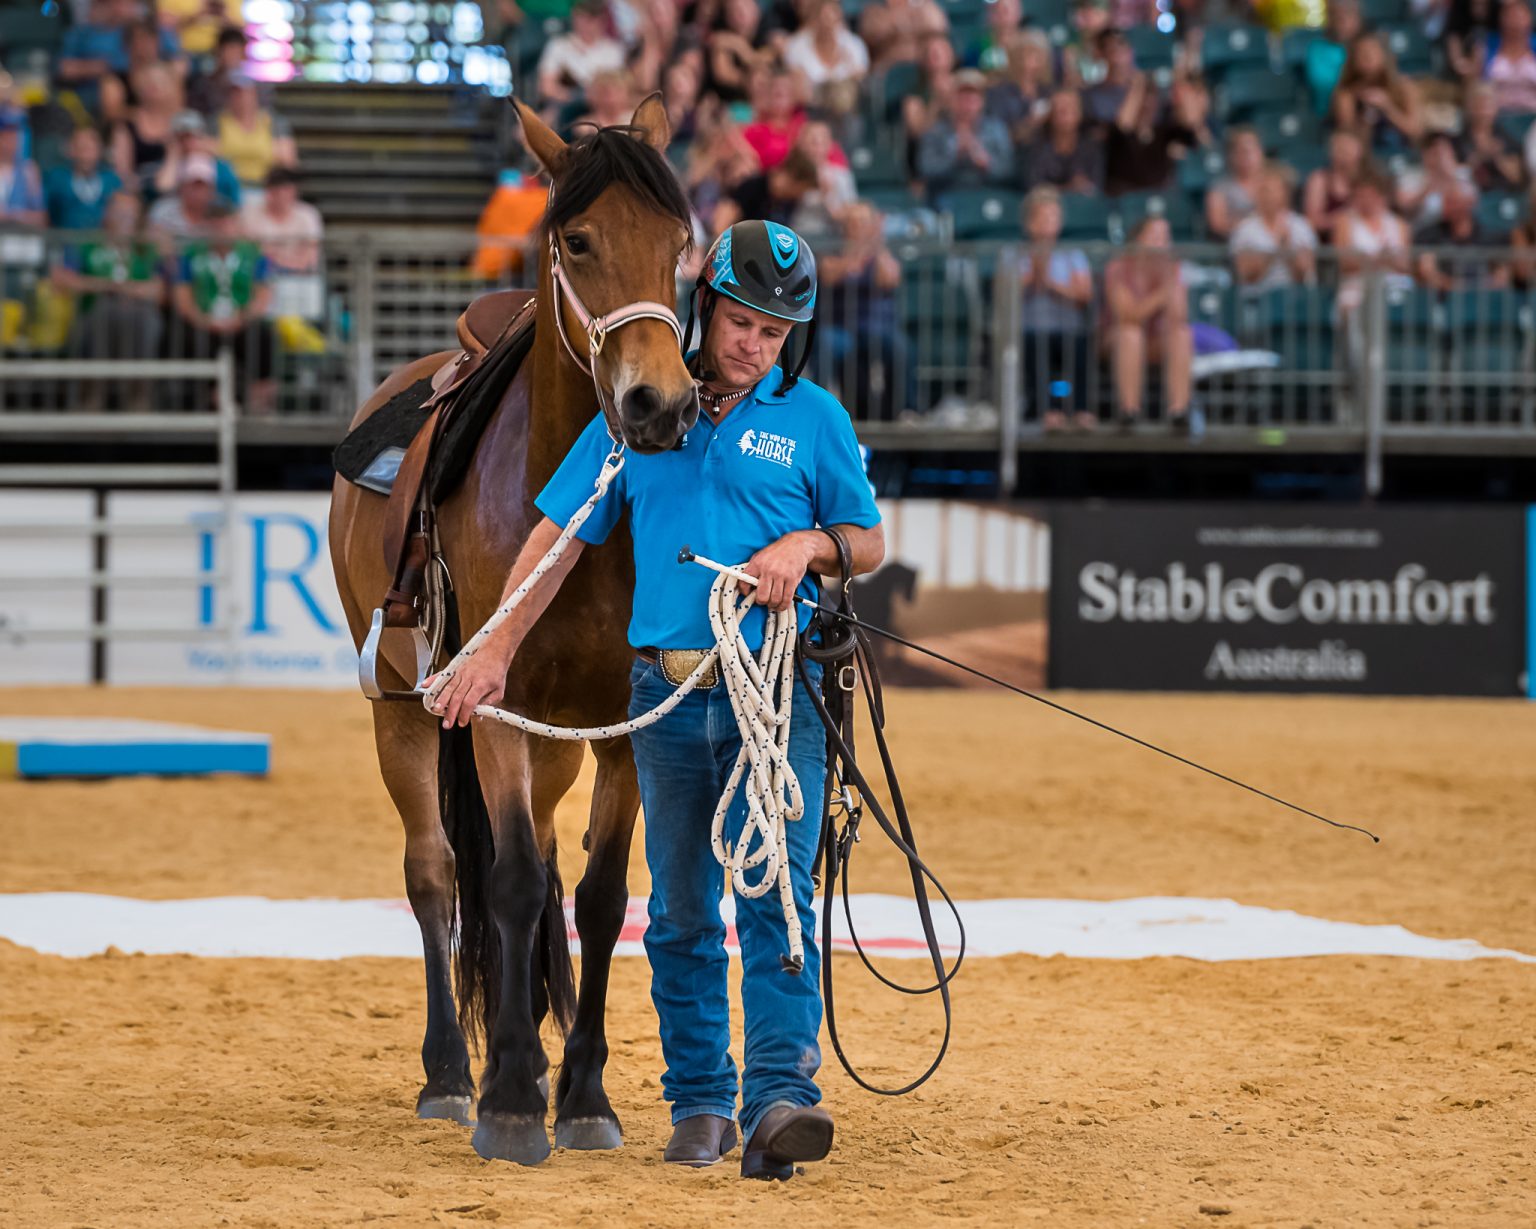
(481,680)
(780,567)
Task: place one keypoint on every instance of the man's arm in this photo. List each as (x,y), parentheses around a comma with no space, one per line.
(483,678)
(782,565)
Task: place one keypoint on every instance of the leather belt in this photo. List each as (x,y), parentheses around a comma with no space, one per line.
(677,664)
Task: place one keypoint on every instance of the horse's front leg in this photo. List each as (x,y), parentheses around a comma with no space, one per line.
(513,1089)
(584,1118)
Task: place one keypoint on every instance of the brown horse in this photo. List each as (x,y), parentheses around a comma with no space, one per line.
(480,867)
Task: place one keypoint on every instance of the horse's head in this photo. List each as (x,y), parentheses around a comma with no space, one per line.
(616,224)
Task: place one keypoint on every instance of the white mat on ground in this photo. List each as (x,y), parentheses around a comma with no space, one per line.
(81,924)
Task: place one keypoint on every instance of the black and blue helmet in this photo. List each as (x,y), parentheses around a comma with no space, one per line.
(765,266)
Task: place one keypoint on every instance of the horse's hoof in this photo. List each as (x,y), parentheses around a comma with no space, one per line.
(456,1109)
(519,1138)
(588,1134)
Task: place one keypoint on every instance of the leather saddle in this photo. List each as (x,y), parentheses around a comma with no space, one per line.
(488,325)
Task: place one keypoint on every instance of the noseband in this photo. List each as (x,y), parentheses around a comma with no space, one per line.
(597,328)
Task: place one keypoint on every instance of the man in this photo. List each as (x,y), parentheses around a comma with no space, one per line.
(78,191)
(1273,247)
(569,62)
(965,148)
(770,458)
(187,214)
(21,184)
(772,196)
(1448,269)
(1056,287)
(189,136)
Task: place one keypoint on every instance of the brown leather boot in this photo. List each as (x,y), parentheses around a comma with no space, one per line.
(786,1134)
(701,1140)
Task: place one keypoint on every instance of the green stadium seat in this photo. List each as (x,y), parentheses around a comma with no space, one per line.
(1516,124)
(1498,213)
(1378,13)
(873,168)
(984,213)
(940,299)
(1199,170)
(1247,92)
(1303,157)
(894,84)
(1226,47)
(25,28)
(1411,48)
(1047,12)
(1085,218)
(1214,305)
(1282,129)
(1299,324)
(1154,49)
(1489,331)
(1293,47)
(960,10)
(1175,206)
(890,199)
(1415,316)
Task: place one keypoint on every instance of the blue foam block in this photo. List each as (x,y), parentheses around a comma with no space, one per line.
(33,747)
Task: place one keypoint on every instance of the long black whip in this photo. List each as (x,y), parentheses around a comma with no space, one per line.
(687,556)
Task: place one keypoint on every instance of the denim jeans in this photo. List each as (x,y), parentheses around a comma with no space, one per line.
(683,762)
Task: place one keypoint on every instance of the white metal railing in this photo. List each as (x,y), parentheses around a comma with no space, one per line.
(217,426)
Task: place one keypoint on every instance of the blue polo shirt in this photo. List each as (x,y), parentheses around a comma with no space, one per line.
(775,464)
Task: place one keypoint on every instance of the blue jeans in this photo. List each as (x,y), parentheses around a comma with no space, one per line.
(683,762)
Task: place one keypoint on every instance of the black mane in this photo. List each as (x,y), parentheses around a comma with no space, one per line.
(619,154)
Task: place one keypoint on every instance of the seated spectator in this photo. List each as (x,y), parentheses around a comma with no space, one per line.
(772,196)
(288,229)
(1103,103)
(1148,138)
(1148,323)
(146,48)
(1231,198)
(1422,190)
(1468,26)
(821,210)
(611,98)
(209,92)
(718,160)
(936,82)
(1330,189)
(95,50)
(189,135)
(681,87)
(1447,269)
(1510,64)
(776,118)
(1523,240)
(736,49)
(22,202)
(117,315)
(1057,289)
(1493,159)
(508,221)
(1326,55)
(1376,101)
(199,24)
(861,335)
(659,46)
(250,137)
(1273,246)
(965,148)
(189,212)
(894,30)
(221,296)
(989,53)
(141,140)
(830,57)
(79,191)
(1370,237)
(1022,98)
(570,61)
(1065,156)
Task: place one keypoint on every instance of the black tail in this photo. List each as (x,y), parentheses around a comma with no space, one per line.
(554,950)
(476,945)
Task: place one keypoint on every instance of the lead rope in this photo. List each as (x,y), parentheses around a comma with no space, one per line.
(760,689)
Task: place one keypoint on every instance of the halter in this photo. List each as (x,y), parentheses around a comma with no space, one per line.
(597,328)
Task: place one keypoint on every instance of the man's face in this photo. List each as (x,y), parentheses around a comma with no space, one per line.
(280,197)
(1045,222)
(743,343)
(966,106)
(196,196)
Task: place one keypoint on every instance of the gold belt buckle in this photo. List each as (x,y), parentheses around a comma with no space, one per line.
(678,664)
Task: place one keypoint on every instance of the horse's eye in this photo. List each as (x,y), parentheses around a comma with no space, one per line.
(575,245)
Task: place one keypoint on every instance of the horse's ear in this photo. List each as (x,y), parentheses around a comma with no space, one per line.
(651,119)
(542,140)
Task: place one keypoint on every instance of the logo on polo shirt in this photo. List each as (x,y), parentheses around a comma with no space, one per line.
(779,449)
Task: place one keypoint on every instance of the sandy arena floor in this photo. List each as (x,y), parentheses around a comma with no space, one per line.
(175,1091)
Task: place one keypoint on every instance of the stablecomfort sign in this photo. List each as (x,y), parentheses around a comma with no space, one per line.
(1400,601)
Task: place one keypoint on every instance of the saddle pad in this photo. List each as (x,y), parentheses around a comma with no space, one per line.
(370,455)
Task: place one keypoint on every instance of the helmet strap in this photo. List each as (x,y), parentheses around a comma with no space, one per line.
(793,377)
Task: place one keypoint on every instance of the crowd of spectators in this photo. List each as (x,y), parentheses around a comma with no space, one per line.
(182,181)
(1368,142)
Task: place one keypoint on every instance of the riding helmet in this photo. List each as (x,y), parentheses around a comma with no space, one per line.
(767,267)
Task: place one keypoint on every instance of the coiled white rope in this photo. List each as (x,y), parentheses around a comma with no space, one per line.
(760,689)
